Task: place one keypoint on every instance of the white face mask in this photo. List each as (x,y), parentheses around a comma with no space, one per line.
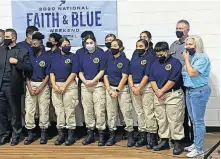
(90,47)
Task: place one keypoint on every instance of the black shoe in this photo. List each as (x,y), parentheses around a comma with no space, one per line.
(142,140)
(90,138)
(124,135)
(15,141)
(31,137)
(44,136)
(101,141)
(163,145)
(70,140)
(61,137)
(152,141)
(177,148)
(112,139)
(131,141)
(4,140)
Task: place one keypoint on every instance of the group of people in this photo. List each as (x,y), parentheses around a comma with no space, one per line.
(159,83)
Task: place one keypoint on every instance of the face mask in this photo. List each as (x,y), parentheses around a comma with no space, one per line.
(7,42)
(191,51)
(90,47)
(179,34)
(36,49)
(162,58)
(108,45)
(66,49)
(1,40)
(140,51)
(115,51)
(49,44)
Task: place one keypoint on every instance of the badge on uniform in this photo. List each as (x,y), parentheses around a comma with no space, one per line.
(119,65)
(42,63)
(168,67)
(96,60)
(143,62)
(67,61)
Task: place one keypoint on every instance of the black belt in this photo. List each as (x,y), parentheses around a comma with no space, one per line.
(36,80)
(136,82)
(171,90)
(101,80)
(116,85)
(60,80)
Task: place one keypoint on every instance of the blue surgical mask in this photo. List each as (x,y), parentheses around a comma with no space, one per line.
(66,49)
(90,47)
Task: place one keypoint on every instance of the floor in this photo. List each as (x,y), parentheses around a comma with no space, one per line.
(78,151)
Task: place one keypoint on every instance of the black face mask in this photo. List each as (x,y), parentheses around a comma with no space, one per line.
(115,51)
(66,49)
(179,34)
(36,49)
(108,45)
(191,51)
(7,42)
(49,44)
(162,59)
(140,52)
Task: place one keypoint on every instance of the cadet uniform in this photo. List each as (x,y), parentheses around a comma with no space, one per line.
(41,69)
(169,112)
(93,98)
(65,104)
(115,68)
(143,104)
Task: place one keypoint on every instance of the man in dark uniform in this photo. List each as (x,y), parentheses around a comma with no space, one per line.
(2,36)
(14,64)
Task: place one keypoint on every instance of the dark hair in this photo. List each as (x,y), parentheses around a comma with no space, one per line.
(149,36)
(14,33)
(38,36)
(2,31)
(120,44)
(62,40)
(185,22)
(161,46)
(145,42)
(92,37)
(111,35)
(31,29)
(86,33)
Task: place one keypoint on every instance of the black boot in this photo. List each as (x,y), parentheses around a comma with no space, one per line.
(163,145)
(112,139)
(152,141)
(101,141)
(31,137)
(177,148)
(70,140)
(44,136)
(131,141)
(142,141)
(61,137)
(90,138)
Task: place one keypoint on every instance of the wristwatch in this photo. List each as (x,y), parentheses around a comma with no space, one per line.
(117,90)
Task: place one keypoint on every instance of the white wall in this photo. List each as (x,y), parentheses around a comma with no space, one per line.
(160,17)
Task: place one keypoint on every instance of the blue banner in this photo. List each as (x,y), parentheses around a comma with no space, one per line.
(66,17)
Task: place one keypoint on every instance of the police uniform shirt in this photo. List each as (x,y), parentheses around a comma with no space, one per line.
(41,66)
(63,65)
(177,49)
(25,45)
(170,70)
(115,68)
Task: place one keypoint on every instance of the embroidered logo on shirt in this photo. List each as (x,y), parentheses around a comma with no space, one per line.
(42,63)
(168,67)
(143,62)
(96,60)
(119,65)
(67,61)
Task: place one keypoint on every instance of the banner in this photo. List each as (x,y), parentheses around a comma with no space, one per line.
(67,17)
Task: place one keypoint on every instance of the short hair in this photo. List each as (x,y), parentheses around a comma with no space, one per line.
(62,40)
(38,36)
(56,36)
(111,35)
(92,37)
(2,31)
(31,30)
(185,22)
(13,32)
(86,33)
(120,44)
(147,33)
(161,46)
(145,42)
(198,41)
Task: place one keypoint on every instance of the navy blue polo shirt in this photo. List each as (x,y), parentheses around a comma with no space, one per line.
(25,45)
(115,68)
(82,50)
(170,70)
(50,52)
(63,65)
(92,63)
(139,64)
(41,65)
